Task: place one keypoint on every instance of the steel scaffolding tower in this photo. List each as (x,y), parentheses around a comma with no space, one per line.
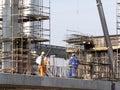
(118,32)
(24,26)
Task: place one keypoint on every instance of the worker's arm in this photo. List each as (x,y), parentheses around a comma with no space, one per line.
(47,62)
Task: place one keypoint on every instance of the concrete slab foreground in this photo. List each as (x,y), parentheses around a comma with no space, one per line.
(23,81)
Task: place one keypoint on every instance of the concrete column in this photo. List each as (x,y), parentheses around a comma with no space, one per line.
(6,33)
(10,29)
(14,18)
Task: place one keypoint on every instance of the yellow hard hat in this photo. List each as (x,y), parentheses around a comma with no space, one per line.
(42,53)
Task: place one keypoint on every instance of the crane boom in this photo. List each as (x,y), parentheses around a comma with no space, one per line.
(106,35)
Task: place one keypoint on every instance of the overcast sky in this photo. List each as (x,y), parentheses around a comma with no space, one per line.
(80,16)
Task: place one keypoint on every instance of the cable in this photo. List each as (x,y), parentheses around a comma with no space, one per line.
(77,6)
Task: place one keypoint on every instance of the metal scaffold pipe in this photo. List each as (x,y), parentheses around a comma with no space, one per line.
(106,36)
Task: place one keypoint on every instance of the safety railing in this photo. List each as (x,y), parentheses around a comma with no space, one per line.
(82,73)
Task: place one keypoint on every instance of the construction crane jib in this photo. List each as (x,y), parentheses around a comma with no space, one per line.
(106,36)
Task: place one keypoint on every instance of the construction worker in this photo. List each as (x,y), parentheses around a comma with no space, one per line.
(73,66)
(43,62)
(70,67)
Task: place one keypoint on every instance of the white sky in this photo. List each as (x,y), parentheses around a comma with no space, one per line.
(81,16)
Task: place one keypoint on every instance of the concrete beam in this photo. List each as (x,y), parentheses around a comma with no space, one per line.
(23,81)
(116,85)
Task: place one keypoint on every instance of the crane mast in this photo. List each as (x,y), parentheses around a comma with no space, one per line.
(106,35)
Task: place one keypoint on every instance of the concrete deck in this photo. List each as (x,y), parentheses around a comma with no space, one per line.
(23,81)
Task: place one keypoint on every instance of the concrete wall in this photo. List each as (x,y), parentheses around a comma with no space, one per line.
(117,86)
(37,82)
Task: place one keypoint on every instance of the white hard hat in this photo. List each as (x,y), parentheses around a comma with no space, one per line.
(73,54)
(42,53)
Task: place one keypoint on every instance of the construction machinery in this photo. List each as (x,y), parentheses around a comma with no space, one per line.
(106,35)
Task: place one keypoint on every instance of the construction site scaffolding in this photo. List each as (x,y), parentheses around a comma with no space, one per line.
(24,26)
(93,56)
(118,33)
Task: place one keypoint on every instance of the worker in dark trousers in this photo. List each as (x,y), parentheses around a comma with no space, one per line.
(73,66)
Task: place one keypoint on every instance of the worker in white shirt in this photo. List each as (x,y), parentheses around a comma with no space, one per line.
(43,62)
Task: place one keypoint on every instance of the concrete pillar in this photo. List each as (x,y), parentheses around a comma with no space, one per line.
(14,18)
(6,32)
(10,29)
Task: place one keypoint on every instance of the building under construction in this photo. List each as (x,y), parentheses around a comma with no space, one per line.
(25,32)
(92,52)
(24,26)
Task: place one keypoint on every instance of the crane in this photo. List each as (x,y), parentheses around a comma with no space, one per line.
(106,36)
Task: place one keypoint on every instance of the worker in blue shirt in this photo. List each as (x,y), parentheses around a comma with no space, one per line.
(73,66)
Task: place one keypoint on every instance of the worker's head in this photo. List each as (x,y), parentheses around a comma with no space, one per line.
(42,53)
(73,55)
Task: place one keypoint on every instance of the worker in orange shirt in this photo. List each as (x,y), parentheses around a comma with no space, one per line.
(43,62)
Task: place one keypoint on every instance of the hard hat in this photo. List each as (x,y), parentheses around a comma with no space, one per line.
(42,53)
(73,54)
